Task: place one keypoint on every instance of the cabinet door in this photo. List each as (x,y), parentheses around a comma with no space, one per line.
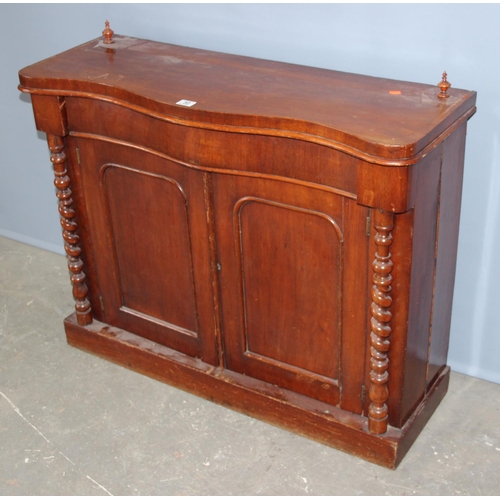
(292,262)
(150,242)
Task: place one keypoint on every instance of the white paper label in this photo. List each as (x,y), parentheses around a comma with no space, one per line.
(185,102)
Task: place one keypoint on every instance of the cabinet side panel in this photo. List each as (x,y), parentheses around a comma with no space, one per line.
(449,215)
(422,282)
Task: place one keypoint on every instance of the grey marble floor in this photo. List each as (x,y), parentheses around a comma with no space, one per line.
(73,424)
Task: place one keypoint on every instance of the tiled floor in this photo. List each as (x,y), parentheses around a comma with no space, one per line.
(72,424)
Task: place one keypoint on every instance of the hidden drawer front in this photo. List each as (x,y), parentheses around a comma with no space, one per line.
(201,148)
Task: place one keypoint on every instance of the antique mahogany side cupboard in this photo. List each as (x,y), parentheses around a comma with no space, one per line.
(276,238)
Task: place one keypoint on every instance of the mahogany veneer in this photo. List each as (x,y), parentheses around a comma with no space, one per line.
(284,246)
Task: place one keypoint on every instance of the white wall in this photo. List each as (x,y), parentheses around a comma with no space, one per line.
(407,42)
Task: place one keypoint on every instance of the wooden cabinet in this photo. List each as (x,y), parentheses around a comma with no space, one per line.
(275,238)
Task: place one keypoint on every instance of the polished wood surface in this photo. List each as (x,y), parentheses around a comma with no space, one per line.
(285,246)
(357,112)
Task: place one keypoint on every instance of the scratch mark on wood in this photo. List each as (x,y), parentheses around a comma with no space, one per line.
(104,75)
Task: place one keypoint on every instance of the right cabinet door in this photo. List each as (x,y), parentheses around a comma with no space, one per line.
(292,261)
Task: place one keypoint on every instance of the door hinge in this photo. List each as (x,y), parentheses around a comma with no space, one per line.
(368,226)
(363,394)
(102,303)
(78,159)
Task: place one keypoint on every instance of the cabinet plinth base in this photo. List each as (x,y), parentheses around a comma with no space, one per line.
(302,415)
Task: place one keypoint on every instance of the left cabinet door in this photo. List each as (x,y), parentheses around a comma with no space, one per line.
(150,242)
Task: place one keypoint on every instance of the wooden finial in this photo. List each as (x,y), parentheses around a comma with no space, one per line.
(108,33)
(444,85)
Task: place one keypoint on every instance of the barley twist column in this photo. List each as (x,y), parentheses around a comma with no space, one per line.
(70,228)
(380,322)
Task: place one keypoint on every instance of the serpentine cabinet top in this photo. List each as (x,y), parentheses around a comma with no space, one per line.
(383,121)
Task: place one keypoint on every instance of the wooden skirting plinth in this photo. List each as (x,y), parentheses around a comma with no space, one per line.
(302,415)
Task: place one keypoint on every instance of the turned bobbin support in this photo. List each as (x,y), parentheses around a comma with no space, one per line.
(380,322)
(70,229)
